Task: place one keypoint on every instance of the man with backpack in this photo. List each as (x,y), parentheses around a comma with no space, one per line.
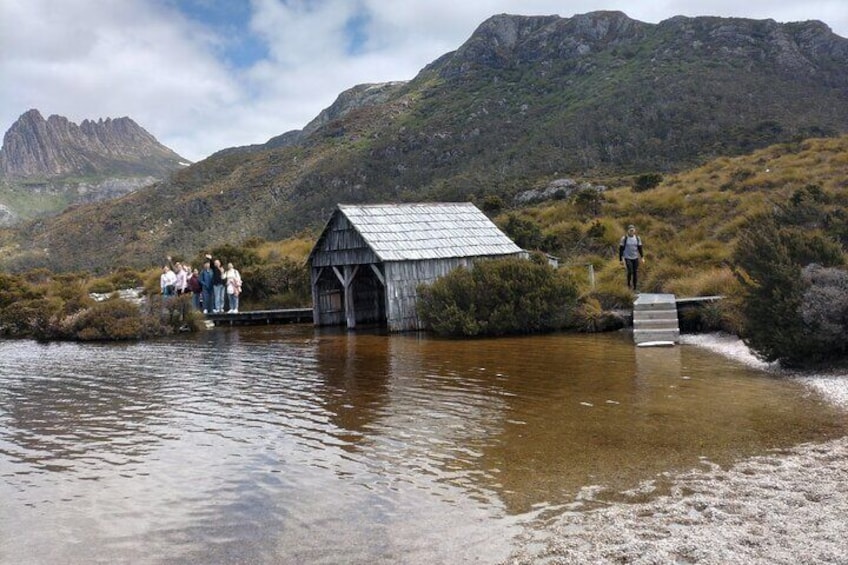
(629,253)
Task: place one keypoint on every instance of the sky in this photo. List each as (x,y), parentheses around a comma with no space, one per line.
(204,75)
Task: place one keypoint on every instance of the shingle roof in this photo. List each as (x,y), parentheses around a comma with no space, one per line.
(401,232)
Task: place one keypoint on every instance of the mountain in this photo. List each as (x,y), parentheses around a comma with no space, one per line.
(94,160)
(359,96)
(598,97)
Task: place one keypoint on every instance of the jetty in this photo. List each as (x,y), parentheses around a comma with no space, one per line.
(262,317)
(655,317)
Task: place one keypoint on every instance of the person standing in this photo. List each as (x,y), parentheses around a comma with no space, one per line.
(233,278)
(630,253)
(206,278)
(181,278)
(217,285)
(167,280)
(193,286)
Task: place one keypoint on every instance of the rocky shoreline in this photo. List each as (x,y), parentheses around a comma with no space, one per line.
(786,507)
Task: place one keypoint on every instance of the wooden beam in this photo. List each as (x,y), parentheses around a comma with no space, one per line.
(316,305)
(350,309)
(378,273)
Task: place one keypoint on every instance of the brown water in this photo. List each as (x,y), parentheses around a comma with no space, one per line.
(285,445)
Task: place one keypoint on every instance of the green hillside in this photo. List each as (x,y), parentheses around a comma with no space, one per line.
(691,221)
(525,101)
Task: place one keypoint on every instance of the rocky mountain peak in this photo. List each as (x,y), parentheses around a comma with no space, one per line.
(508,41)
(57,147)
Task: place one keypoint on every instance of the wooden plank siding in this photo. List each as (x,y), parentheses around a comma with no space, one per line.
(343,245)
(403,279)
(354,283)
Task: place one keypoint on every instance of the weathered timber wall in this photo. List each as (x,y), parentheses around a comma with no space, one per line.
(402,280)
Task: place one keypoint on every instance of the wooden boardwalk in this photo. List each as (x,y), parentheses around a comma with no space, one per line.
(263,317)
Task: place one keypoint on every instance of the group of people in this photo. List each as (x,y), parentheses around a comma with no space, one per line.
(214,289)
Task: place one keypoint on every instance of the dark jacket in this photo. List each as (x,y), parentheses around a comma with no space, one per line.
(193,284)
(217,277)
(206,278)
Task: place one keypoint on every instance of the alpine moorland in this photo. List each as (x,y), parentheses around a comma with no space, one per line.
(721,115)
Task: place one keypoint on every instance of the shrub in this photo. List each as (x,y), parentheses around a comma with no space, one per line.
(30,318)
(498,297)
(709,317)
(785,300)
(492,205)
(588,202)
(647,181)
(285,282)
(240,256)
(170,315)
(590,316)
(824,310)
(526,233)
(112,319)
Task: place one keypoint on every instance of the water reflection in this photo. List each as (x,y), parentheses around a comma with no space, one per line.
(285,444)
(67,413)
(355,370)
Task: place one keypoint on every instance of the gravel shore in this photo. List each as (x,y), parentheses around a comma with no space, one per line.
(787,507)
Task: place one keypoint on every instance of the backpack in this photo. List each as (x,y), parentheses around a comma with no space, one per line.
(624,240)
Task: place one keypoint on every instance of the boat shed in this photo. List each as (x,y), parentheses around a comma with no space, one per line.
(369,260)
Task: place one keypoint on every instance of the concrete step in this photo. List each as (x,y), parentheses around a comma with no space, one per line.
(655,318)
(655,314)
(654,302)
(641,336)
(655,307)
(656,324)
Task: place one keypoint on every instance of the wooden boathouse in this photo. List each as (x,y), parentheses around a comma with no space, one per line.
(369,260)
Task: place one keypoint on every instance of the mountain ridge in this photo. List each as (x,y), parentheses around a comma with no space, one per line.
(56,147)
(525,100)
(49,164)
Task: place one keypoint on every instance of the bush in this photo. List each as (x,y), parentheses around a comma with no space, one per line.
(112,319)
(285,282)
(526,233)
(590,316)
(30,318)
(647,182)
(588,202)
(785,300)
(492,205)
(709,317)
(14,289)
(44,306)
(175,313)
(824,310)
(240,256)
(498,297)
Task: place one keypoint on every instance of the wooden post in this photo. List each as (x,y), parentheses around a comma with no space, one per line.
(316,304)
(591,275)
(350,309)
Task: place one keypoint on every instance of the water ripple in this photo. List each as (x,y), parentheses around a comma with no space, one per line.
(286,444)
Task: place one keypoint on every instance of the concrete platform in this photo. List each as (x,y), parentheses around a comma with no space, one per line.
(655,319)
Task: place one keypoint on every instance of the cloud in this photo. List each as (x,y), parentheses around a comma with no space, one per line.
(202,75)
(125,58)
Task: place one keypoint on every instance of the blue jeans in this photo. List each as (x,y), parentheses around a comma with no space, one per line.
(208,301)
(218,289)
(233,298)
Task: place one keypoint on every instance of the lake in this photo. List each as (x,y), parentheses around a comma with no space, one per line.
(287,444)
